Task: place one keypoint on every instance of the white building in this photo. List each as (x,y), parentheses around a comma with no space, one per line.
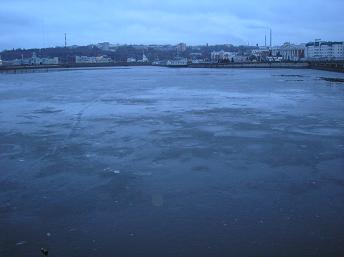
(144,59)
(196,56)
(261,54)
(131,59)
(14,62)
(177,62)
(34,60)
(199,61)
(87,59)
(240,58)
(50,61)
(321,50)
(103,59)
(222,56)
(289,52)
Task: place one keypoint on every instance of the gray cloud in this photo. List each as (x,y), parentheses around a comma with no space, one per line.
(38,23)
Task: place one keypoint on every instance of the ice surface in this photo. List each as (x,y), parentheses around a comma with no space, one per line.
(172,162)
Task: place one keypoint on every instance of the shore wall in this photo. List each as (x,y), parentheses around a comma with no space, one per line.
(46,68)
(253,65)
(329,66)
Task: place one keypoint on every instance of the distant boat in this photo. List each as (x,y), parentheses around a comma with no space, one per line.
(178,62)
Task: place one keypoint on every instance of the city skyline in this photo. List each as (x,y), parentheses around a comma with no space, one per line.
(39,24)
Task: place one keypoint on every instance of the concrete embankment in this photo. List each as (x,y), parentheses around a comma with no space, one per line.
(329,66)
(47,68)
(336,66)
(252,65)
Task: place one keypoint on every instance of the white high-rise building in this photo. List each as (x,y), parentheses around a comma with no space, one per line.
(321,50)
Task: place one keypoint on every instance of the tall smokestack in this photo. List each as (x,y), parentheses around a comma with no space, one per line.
(65,40)
(265,39)
(270,37)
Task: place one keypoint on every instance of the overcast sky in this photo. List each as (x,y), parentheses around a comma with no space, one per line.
(42,23)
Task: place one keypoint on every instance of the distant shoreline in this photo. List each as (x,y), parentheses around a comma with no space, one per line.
(328,66)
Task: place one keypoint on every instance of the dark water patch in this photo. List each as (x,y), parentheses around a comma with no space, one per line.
(28,116)
(289,75)
(336,80)
(26,123)
(8,185)
(135,101)
(108,99)
(200,168)
(297,187)
(223,111)
(335,181)
(62,125)
(47,110)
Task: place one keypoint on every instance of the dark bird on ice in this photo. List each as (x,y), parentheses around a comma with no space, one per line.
(44,252)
